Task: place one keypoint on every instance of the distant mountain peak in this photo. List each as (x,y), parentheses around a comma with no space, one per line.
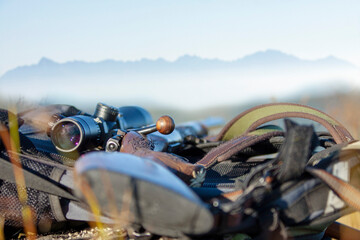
(332,60)
(46,61)
(187,57)
(273,52)
(270,55)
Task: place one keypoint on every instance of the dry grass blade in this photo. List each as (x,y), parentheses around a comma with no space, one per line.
(2,225)
(12,144)
(122,216)
(90,197)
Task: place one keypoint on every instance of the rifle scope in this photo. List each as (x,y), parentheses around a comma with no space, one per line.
(73,133)
(85,132)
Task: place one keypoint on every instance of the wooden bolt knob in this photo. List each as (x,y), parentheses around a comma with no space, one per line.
(165,125)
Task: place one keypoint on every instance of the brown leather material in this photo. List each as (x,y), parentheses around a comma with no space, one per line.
(337,130)
(224,222)
(340,231)
(231,196)
(136,144)
(233,147)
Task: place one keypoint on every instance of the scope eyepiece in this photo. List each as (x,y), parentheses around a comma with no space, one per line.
(75,133)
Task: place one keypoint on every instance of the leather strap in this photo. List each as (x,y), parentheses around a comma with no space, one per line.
(234,146)
(254,117)
(340,231)
(344,190)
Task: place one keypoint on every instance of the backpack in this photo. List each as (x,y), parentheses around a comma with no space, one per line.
(258,176)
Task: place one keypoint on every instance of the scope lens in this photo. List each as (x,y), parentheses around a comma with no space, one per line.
(66,135)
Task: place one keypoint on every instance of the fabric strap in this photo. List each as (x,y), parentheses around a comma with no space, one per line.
(33,180)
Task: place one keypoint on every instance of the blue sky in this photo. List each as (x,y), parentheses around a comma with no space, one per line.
(130,30)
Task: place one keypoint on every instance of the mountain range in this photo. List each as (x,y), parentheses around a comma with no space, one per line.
(187,82)
(273,59)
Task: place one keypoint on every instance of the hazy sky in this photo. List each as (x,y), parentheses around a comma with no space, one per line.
(129,30)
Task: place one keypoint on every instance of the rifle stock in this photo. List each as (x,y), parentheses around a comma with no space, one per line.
(136,144)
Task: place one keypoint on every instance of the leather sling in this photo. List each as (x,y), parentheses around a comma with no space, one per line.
(251,119)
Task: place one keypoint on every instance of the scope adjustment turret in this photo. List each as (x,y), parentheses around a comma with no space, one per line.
(106,112)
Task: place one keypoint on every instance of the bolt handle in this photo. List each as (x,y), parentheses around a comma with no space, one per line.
(165,125)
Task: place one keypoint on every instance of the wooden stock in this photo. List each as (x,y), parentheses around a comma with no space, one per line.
(136,144)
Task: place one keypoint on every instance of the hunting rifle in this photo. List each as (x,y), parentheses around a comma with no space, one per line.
(112,129)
